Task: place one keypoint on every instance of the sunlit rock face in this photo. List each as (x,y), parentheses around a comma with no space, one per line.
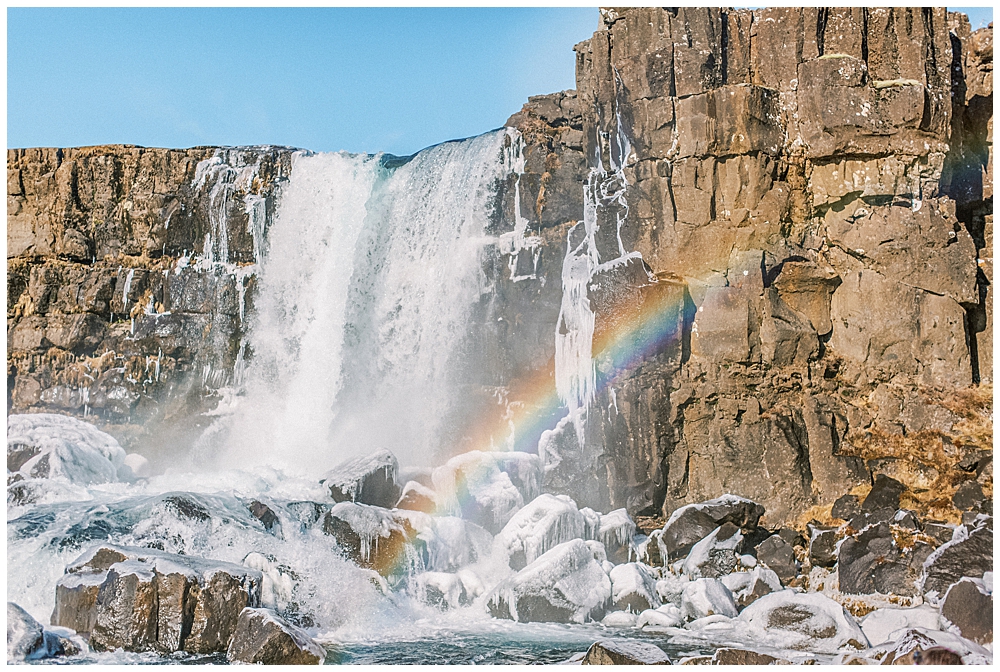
(749,254)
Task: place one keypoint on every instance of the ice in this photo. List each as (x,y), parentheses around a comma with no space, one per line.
(276,586)
(616,528)
(670,588)
(62,447)
(739,583)
(884,625)
(706,597)
(138,464)
(633,579)
(453,543)
(473,485)
(667,616)
(370,523)
(540,525)
(620,619)
(701,553)
(804,621)
(566,577)
(440,588)
(924,638)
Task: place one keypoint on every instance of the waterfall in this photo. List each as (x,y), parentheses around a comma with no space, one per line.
(371,268)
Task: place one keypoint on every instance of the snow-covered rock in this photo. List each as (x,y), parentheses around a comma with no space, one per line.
(690,524)
(369,479)
(615,530)
(715,555)
(670,588)
(747,587)
(473,486)
(451,543)
(633,588)
(619,619)
(542,524)
(886,625)
(440,589)
(667,616)
(417,497)
(48,446)
(707,597)
(262,637)
(912,643)
(625,652)
(804,621)
(27,640)
(565,584)
(969,553)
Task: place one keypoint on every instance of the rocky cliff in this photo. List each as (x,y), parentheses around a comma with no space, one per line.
(809,192)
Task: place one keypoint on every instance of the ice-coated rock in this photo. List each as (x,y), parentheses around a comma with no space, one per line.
(542,524)
(417,497)
(633,588)
(276,585)
(670,587)
(747,587)
(804,621)
(138,464)
(930,646)
(370,479)
(27,640)
(264,638)
(565,584)
(967,610)
(716,555)
(473,486)
(371,536)
(625,652)
(690,524)
(68,451)
(615,530)
(666,616)
(141,599)
(450,543)
(969,553)
(885,625)
(440,589)
(619,619)
(707,597)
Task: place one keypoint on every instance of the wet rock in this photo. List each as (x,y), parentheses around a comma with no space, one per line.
(564,585)
(823,546)
(262,637)
(417,497)
(633,588)
(873,562)
(967,608)
(807,621)
(779,556)
(707,597)
(846,507)
(366,480)
(150,600)
(630,652)
(884,494)
(187,507)
(265,514)
(369,535)
(970,554)
(690,524)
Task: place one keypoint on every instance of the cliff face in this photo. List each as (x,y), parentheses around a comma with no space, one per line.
(811,194)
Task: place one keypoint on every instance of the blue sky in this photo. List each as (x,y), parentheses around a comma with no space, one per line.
(325,79)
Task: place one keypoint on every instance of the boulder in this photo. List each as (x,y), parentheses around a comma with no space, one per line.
(969,553)
(633,588)
(264,638)
(370,536)
(666,616)
(748,587)
(968,496)
(690,524)
(967,609)
(875,561)
(778,555)
(804,621)
(542,524)
(417,497)
(822,546)
(566,584)
(141,599)
(369,479)
(885,625)
(846,507)
(266,515)
(716,555)
(26,638)
(731,656)
(628,652)
(884,494)
(707,597)
(925,646)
